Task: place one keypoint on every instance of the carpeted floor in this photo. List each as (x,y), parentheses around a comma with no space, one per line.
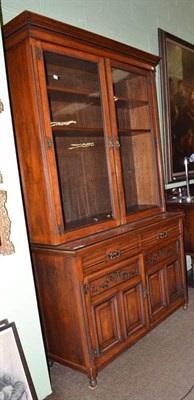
(158,367)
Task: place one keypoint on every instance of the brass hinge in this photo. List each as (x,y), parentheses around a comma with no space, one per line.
(86,289)
(60,230)
(145,291)
(38,53)
(94,352)
(49,142)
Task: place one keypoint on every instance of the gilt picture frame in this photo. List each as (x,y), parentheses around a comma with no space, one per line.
(177,90)
(6,246)
(15,379)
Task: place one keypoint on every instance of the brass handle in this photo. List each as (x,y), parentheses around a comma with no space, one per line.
(1,106)
(162,235)
(114,254)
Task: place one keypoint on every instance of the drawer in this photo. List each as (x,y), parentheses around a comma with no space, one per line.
(161,254)
(110,251)
(99,283)
(159,234)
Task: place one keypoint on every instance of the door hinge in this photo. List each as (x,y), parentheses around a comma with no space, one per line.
(94,353)
(86,289)
(145,291)
(60,230)
(49,142)
(38,53)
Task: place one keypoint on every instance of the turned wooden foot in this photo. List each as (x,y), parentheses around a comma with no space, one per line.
(93,383)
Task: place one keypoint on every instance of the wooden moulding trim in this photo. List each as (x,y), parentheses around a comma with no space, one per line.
(29,20)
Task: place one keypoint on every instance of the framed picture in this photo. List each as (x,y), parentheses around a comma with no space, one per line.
(6,246)
(15,378)
(177,87)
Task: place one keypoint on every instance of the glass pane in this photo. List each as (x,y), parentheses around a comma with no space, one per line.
(73,91)
(136,142)
(83,178)
(138,172)
(74,96)
(69,72)
(131,100)
(75,109)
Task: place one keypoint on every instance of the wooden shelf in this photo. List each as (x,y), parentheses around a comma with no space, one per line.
(125,102)
(71,131)
(132,132)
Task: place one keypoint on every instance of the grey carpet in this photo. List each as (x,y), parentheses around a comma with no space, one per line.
(160,366)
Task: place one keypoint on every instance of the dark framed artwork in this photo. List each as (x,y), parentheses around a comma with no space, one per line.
(15,378)
(177,87)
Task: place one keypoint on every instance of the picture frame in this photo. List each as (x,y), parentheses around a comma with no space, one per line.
(15,379)
(177,94)
(6,246)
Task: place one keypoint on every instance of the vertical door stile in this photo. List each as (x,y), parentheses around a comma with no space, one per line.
(46,137)
(114,138)
(109,140)
(47,140)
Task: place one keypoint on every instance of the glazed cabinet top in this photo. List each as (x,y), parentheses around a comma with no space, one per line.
(86,126)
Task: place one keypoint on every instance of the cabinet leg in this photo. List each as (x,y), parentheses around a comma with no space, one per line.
(93,383)
(92,373)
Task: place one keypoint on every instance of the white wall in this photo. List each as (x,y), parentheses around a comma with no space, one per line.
(134,22)
(17,295)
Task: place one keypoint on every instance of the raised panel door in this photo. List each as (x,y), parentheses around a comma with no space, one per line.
(165,279)
(174,281)
(116,306)
(135,319)
(156,291)
(106,323)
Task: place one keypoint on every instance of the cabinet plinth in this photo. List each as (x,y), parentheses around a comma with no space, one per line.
(107,257)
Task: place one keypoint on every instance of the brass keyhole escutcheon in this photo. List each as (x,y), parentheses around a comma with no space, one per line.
(1,106)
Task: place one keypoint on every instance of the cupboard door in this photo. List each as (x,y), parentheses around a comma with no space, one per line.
(165,279)
(157,294)
(175,284)
(134,142)
(106,327)
(116,307)
(117,319)
(81,161)
(133,303)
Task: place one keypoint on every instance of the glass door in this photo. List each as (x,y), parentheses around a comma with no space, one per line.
(80,130)
(134,138)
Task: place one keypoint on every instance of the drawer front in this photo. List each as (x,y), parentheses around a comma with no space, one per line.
(159,235)
(99,283)
(161,254)
(110,251)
